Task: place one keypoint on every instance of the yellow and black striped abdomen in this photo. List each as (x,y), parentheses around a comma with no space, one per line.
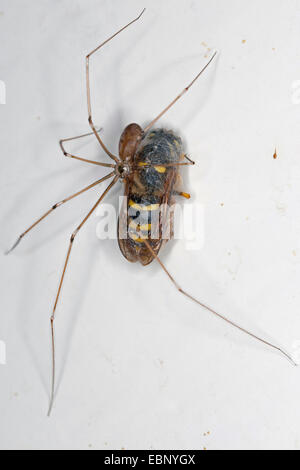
(143,218)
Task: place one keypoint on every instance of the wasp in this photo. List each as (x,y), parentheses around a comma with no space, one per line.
(149,164)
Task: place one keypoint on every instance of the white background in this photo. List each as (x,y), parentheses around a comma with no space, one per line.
(139,366)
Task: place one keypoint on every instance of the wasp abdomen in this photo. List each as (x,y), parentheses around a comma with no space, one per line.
(149,195)
(143,217)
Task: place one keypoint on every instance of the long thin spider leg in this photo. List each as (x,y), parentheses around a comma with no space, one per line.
(87,134)
(67,154)
(142,165)
(58,204)
(88,88)
(61,283)
(213,311)
(180,95)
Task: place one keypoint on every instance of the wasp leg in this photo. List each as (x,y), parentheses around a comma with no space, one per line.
(67,154)
(182,194)
(191,162)
(178,188)
(213,311)
(88,88)
(74,234)
(58,204)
